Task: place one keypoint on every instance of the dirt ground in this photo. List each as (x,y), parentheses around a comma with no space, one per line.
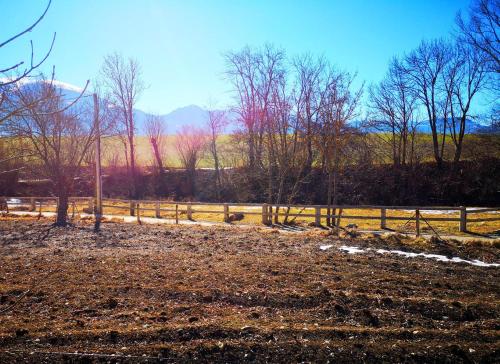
(223,294)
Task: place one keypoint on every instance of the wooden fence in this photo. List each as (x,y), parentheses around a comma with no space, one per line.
(268,212)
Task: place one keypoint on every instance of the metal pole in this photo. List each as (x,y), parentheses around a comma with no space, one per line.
(98,180)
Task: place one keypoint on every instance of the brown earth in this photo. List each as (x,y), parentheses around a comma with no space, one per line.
(177,293)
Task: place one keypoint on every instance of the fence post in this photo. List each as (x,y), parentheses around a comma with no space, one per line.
(138,213)
(226,212)
(132,208)
(317,218)
(32,204)
(463,219)
(383,215)
(265,214)
(157,209)
(189,211)
(417,221)
(177,214)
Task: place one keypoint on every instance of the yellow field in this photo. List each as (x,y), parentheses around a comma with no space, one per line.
(113,148)
(113,152)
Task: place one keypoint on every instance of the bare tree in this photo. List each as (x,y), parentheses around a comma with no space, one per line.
(425,66)
(393,110)
(242,72)
(310,74)
(216,122)
(57,141)
(190,142)
(253,73)
(287,152)
(156,131)
(339,106)
(481,30)
(122,79)
(463,78)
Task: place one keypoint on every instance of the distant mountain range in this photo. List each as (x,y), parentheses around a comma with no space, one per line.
(471,127)
(196,116)
(191,115)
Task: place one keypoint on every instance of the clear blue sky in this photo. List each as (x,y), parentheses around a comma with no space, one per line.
(180,43)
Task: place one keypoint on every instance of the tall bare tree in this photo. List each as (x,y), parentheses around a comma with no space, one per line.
(310,74)
(253,72)
(122,79)
(57,141)
(463,78)
(393,110)
(340,105)
(425,66)
(288,157)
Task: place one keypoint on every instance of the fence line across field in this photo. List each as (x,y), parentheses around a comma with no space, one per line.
(269,211)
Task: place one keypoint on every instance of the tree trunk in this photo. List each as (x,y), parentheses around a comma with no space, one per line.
(309,162)
(218,182)
(460,141)
(62,208)
(251,149)
(458,153)
(132,169)
(329,199)
(191,175)
(157,154)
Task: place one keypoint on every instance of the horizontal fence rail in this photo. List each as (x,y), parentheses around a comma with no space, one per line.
(319,213)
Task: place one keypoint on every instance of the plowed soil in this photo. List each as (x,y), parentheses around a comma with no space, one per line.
(223,294)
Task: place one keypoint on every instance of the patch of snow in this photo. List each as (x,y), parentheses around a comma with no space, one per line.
(66,86)
(438,257)
(56,83)
(351,249)
(399,252)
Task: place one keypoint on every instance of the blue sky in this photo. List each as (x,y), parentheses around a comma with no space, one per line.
(180,43)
